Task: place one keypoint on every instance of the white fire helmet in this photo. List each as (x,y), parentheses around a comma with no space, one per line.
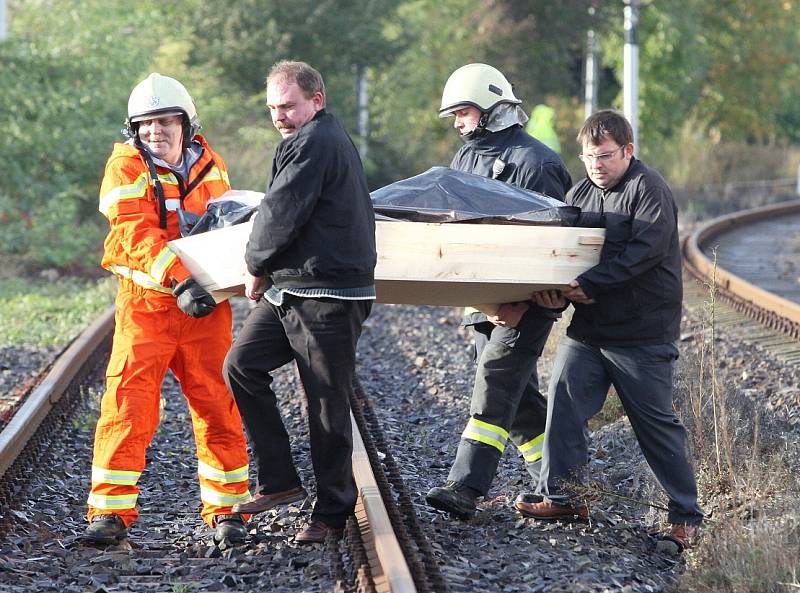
(161,96)
(479,85)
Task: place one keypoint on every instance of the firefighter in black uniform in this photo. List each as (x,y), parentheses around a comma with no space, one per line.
(314,240)
(506,402)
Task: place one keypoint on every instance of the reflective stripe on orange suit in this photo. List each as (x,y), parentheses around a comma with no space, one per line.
(129,201)
(152,335)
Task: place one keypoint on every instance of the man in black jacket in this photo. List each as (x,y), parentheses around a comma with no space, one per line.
(506,403)
(623,331)
(310,258)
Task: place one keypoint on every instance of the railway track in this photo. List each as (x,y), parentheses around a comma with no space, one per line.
(384,551)
(726,259)
(728,253)
(385,547)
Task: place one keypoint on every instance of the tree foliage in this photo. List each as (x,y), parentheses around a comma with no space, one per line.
(60,110)
(407,134)
(337,37)
(710,73)
(728,67)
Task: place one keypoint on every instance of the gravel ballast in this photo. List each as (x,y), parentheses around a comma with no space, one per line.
(415,364)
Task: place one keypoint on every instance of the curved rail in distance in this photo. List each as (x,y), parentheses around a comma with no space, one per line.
(776,311)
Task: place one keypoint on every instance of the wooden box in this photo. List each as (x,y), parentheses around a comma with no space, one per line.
(428,263)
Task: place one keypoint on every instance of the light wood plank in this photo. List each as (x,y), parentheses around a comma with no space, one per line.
(428,263)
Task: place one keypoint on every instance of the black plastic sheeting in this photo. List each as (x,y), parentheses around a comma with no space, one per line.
(441,194)
(232,207)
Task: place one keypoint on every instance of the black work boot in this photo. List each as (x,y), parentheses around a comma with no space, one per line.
(105,530)
(457,499)
(231,528)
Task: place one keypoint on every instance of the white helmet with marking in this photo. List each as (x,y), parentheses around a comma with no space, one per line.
(162,96)
(478,85)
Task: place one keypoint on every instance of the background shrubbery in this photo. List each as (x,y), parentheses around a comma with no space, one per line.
(718,103)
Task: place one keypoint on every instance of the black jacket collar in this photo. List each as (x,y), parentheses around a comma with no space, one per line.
(493,143)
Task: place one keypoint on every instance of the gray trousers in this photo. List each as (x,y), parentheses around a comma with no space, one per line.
(642,376)
(505,399)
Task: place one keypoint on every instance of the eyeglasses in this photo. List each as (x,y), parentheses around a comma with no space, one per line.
(600,158)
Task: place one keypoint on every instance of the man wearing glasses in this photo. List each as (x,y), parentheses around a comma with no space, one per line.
(623,331)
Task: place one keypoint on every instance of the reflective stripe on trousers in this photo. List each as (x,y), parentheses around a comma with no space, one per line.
(488,434)
(151,336)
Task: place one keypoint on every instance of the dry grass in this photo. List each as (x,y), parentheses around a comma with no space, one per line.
(747,464)
(740,556)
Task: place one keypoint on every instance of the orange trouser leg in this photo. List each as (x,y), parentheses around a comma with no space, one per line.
(219,436)
(129,410)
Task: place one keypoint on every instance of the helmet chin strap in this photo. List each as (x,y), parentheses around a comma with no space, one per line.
(478,131)
(151,167)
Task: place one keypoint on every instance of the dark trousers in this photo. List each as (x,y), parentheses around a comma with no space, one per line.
(320,335)
(506,402)
(642,376)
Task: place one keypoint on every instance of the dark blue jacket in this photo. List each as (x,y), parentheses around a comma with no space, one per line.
(529,164)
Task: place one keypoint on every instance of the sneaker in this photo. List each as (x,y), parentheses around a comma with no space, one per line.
(454,498)
(229,527)
(106,530)
(549,511)
(680,537)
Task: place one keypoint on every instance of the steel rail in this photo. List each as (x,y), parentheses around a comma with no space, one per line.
(774,310)
(390,571)
(388,566)
(27,419)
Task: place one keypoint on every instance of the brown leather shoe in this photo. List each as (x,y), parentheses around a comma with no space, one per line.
(680,537)
(548,511)
(314,533)
(264,502)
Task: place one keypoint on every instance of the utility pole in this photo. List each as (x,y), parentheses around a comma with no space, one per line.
(590,80)
(362,94)
(630,58)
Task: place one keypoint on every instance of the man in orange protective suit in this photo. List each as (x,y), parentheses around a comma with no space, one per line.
(164,319)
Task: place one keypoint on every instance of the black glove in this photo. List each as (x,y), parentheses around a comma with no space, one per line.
(193,299)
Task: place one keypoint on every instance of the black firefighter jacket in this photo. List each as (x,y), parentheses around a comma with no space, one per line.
(528,164)
(637,285)
(315,227)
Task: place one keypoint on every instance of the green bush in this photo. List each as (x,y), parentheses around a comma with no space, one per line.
(66,76)
(45,312)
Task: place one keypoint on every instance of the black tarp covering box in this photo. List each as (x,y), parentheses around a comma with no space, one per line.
(235,206)
(527,244)
(441,194)
(525,241)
